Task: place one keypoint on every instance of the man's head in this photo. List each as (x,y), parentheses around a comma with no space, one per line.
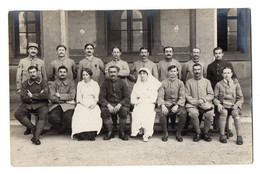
(197,70)
(33,49)
(113,72)
(62,72)
(144,53)
(218,53)
(33,72)
(61,50)
(89,49)
(172,71)
(227,73)
(195,53)
(116,53)
(168,52)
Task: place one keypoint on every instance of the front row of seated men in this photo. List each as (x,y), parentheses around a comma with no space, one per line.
(193,99)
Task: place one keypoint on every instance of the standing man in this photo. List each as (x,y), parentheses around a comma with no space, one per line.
(34,96)
(115,100)
(62,95)
(144,63)
(165,63)
(123,65)
(199,96)
(187,71)
(22,71)
(95,64)
(62,61)
(171,100)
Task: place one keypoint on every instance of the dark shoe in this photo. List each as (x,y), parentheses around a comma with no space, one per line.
(27,131)
(178,137)
(109,135)
(123,136)
(223,139)
(165,136)
(239,140)
(197,137)
(35,141)
(206,137)
(230,133)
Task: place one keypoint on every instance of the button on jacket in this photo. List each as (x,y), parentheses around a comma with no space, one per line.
(66,89)
(114,92)
(95,64)
(141,64)
(228,94)
(40,93)
(22,71)
(171,92)
(68,63)
(163,68)
(198,89)
(214,71)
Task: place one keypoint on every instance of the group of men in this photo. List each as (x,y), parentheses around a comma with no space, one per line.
(196,98)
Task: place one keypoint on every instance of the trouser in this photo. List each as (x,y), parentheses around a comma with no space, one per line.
(59,118)
(181,113)
(107,117)
(22,116)
(194,116)
(223,119)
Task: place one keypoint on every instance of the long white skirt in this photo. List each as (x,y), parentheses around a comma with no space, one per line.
(85,120)
(143,117)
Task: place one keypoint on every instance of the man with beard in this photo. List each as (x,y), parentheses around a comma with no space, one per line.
(34,96)
(115,100)
(144,63)
(165,63)
(95,64)
(123,65)
(199,96)
(62,95)
(62,61)
(22,71)
(187,71)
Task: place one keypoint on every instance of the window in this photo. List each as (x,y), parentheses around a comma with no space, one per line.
(27,29)
(128,29)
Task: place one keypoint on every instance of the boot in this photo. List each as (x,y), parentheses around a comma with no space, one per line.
(178,137)
(163,123)
(122,134)
(197,137)
(27,131)
(206,137)
(239,140)
(165,136)
(223,139)
(110,133)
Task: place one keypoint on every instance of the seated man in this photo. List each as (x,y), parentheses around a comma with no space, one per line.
(171,99)
(62,95)
(114,99)
(229,100)
(199,96)
(34,95)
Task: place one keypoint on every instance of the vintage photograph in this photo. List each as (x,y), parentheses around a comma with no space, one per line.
(130,87)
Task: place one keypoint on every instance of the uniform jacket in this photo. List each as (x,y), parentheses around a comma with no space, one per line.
(187,70)
(163,68)
(141,64)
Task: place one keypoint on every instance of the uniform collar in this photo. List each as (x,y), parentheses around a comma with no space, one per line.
(37,80)
(89,58)
(230,82)
(35,58)
(65,82)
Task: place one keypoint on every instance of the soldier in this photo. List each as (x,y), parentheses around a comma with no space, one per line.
(62,61)
(165,63)
(34,96)
(144,63)
(95,64)
(22,71)
(114,99)
(62,95)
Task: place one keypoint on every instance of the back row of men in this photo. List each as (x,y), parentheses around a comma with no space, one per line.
(199,94)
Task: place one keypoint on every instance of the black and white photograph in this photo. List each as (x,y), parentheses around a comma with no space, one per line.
(130,87)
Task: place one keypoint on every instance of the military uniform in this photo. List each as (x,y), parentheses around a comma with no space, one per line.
(163,68)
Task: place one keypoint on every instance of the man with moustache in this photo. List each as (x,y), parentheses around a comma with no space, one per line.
(123,65)
(34,96)
(62,95)
(144,63)
(171,100)
(22,71)
(95,64)
(115,100)
(187,71)
(165,63)
(199,96)
(62,61)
